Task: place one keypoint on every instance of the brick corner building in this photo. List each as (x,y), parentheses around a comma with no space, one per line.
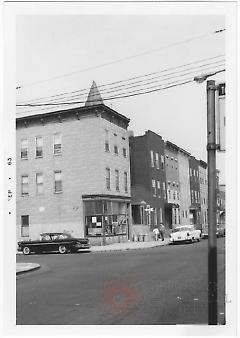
(73,172)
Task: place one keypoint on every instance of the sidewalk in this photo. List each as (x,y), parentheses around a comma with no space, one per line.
(25,267)
(129,246)
(124,246)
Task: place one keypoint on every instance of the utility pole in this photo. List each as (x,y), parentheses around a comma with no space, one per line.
(212,238)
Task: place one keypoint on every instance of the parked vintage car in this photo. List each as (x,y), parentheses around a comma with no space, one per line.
(54,241)
(185,233)
(205,231)
(220,230)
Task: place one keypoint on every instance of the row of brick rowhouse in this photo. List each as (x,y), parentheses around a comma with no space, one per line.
(73,175)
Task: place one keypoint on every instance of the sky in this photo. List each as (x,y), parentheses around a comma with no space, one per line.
(52,46)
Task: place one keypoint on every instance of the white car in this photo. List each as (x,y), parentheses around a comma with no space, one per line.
(185,233)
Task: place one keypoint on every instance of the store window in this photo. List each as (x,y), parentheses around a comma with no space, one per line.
(108,215)
(25,225)
(39,146)
(24,149)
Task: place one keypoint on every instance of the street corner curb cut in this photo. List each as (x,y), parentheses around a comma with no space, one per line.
(31,268)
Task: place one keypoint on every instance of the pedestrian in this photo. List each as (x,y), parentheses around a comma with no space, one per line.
(156,233)
(162,231)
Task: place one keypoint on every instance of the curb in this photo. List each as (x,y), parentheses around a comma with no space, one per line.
(128,248)
(31,267)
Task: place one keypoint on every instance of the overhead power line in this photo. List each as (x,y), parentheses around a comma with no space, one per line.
(128,94)
(86,90)
(122,59)
(163,78)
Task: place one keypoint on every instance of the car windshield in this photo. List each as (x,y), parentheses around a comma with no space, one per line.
(182,229)
(61,236)
(52,237)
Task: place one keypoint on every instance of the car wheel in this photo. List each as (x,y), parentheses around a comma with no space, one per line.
(199,239)
(192,240)
(26,250)
(62,249)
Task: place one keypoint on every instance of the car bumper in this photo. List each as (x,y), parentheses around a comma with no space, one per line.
(186,239)
(82,246)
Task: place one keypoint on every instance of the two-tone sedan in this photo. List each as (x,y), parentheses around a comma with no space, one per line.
(54,242)
(185,233)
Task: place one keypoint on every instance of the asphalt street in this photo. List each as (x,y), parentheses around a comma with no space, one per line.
(162,285)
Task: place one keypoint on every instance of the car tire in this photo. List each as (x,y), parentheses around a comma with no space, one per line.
(62,249)
(26,250)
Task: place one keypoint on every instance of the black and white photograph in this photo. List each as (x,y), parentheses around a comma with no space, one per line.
(117,165)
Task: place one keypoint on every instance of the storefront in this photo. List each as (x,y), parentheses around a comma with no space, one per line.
(106,217)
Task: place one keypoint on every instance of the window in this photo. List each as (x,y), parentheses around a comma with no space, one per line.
(24,149)
(39,183)
(125,181)
(162,161)
(160,215)
(108,185)
(164,189)
(25,225)
(117,179)
(152,158)
(190,171)
(174,194)
(157,160)
(196,196)
(107,146)
(192,195)
(57,143)
(24,184)
(154,187)
(177,195)
(183,213)
(124,152)
(155,216)
(39,146)
(169,194)
(186,214)
(57,181)
(158,188)
(116,149)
